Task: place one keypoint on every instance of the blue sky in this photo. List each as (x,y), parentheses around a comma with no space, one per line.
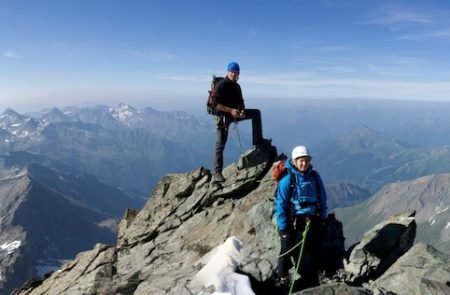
(163,53)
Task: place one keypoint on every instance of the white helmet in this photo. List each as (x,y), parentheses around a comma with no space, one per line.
(300,151)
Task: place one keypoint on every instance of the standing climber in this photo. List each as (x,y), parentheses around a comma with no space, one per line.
(301,210)
(230,108)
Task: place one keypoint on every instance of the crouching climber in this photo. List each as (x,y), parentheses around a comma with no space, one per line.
(301,210)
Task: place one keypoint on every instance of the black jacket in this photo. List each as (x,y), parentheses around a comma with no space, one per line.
(228,93)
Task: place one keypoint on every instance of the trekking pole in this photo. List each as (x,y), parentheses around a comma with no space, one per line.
(300,256)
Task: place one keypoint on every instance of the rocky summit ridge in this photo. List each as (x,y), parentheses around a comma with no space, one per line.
(160,247)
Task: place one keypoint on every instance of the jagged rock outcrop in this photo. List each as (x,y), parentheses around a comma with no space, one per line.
(91,272)
(162,247)
(422,270)
(380,248)
(186,217)
(336,289)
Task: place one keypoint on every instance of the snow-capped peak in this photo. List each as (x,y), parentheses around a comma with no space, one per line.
(123,112)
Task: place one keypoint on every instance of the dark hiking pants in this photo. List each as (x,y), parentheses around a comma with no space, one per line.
(222,133)
(308,268)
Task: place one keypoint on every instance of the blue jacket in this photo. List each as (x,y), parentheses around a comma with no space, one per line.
(304,196)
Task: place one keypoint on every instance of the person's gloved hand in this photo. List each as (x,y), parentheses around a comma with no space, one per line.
(285,235)
(323,225)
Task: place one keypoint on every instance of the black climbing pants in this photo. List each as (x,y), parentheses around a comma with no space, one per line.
(222,134)
(309,263)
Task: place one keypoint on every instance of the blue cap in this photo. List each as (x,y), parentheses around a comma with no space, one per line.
(233,67)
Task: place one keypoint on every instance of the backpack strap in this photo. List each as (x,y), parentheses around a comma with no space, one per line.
(292,187)
(292,182)
(315,176)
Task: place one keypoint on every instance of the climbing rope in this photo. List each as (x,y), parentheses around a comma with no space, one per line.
(300,256)
(290,250)
(238,135)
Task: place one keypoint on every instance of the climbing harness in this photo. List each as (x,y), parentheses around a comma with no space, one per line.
(222,121)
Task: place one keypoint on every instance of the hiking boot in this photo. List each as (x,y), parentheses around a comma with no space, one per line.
(263,144)
(282,284)
(264,141)
(218,177)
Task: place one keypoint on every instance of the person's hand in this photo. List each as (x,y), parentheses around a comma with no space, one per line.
(284,234)
(242,114)
(235,113)
(323,224)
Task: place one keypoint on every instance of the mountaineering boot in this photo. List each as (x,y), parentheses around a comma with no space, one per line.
(218,177)
(263,145)
(282,285)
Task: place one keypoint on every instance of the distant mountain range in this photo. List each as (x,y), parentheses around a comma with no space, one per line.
(122,146)
(49,215)
(345,194)
(370,159)
(428,195)
(311,121)
(67,175)
(345,140)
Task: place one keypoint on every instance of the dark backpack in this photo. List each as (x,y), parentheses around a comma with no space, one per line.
(210,103)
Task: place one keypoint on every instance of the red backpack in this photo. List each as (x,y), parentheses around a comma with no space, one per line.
(279,171)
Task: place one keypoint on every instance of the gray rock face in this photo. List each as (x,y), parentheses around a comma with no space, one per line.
(187,216)
(95,269)
(336,288)
(380,248)
(15,264)
(162,247)
(422,270)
